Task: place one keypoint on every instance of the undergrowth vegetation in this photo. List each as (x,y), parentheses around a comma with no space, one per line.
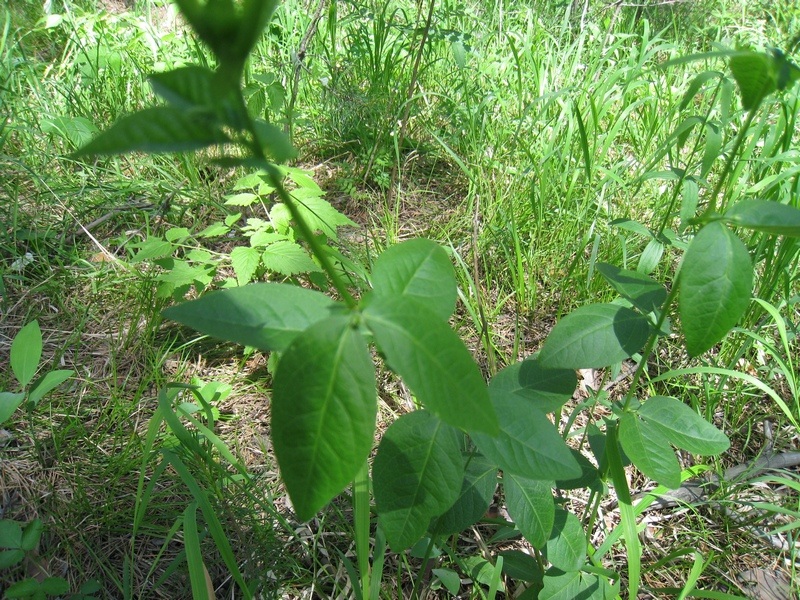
(481,268)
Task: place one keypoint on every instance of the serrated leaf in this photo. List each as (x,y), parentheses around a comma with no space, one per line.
(10,534)
(753,72)
(26,352)
(417,474)
(9,558)
(46,384)
(419,269)
(682,427)
(214,230)
(267,316)
(429,356)
(186,87)
(9,402)
(644,293)
(241,199)
(531,506)
(566,546)
(595,336)
(154,130)
(763,215)
(528,444)
(321,216)
(152,248)
(649,450)
(76,130)
(716,280)
(323,412)
(245,261)
(477,492)
(287,258)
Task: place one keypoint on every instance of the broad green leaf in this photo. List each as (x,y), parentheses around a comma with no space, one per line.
(767,216)
(755,76)
(245,261)
(288,258)
(576,584)
(429,356)
(185,88)
(682,427)
(716,280)
(528,444)
(46,384)
(419,269)
(644,293)
(449,578)
(589,477)
(787,72)
(275,141)
(481,571)
(477,492)
(10,534)
(649,450)
(9,402)
(152,248)
(521,566)
(417,475)
(267,316)
(26,352)
(566,545)
(9,558)
(76,130)
(241,199)
(548,389)
(323,412)
(158,129)
(595,336)
(531,506)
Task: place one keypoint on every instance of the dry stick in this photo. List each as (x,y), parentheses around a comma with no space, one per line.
(298,63)
(401,135)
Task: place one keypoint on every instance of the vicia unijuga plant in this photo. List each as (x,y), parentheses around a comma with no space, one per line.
(436,469)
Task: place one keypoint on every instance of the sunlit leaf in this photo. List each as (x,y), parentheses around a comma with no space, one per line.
(767,216)
(683,427)
(531,506)
(649,450)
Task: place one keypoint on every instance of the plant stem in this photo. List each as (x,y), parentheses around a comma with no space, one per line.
(361,514)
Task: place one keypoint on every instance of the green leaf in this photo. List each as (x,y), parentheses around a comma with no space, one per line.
(449,578)
(644,293)
(650,257)
(755,76)
(26,352)
(477,492)
(419,269)
(267,316)
(528,444)
(566,546)
(595,336)
(31,535)
(417,475)
(48,383)
(682,427)
(76,130)
(275,142)
(531,506)
(9,402)
(245,261)
(26,588)
(763,215)
(323,412)
(158,129)
(55,586)
(589,477)
(649,450)
(10,534)
(9,558)
(421,348)
(521,566)
(185,88)
(319,214)
(152,248)
(575,584)
(481,571)
(716,280)
(287,258)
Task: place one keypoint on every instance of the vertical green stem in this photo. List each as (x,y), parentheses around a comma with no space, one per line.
(361,515)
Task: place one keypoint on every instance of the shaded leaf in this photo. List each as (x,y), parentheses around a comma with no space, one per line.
(767,216)
(649,450)
(716,280)
(644,293)
(547,389)
(595,336)
(267,316)
(477,492)
(566,546)
(421,348)
(323,412)
(531,506)
(753,72)
(417,473)
(521,566)
(245,261)
(419,269)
